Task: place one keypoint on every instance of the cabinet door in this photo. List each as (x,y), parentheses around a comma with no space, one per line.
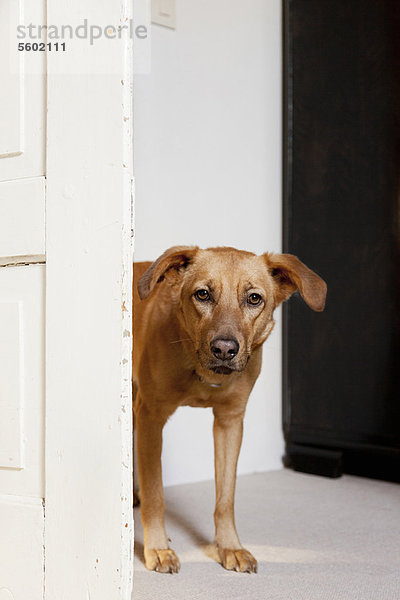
(342,206)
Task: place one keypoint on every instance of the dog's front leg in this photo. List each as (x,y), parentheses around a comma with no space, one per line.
(157,553)
(228,431)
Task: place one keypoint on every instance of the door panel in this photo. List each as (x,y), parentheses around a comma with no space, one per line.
(22,94)
(21,548)
(11,385)
(11,95)
(22,217)
(22,381)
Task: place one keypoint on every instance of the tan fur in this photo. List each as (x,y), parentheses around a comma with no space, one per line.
(172,366)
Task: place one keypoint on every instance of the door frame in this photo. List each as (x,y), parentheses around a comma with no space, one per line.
(88,502)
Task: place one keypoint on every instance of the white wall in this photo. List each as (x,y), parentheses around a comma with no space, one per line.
(208,172)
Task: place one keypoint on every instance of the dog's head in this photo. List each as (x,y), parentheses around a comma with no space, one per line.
(227,298)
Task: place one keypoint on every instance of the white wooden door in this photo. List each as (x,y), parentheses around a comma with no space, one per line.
(22,316)
(66,529)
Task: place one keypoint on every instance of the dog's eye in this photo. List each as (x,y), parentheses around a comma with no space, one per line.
(202,295)
(254,299)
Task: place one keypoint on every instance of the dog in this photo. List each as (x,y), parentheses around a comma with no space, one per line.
(200,319)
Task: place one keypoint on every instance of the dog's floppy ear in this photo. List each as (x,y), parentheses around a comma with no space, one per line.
(290,274)
(173,261)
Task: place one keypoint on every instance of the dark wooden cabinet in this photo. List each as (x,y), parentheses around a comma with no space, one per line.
(342,218)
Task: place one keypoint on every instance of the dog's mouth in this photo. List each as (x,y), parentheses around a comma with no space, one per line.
(228,368)
(222,370)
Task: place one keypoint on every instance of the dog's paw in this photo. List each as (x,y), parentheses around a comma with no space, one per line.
(237,560)
(162,561)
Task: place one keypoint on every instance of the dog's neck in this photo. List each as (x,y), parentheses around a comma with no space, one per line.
(209,383)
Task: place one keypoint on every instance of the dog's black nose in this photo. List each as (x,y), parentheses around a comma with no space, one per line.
(224,349)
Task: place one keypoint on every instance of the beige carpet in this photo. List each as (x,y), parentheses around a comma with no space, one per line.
(314,538)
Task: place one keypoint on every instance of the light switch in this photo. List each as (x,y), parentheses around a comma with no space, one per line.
(163,12)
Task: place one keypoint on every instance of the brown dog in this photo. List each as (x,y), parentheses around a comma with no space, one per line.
(200,319)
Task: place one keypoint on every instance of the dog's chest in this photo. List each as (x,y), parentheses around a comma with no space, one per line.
(199,402)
